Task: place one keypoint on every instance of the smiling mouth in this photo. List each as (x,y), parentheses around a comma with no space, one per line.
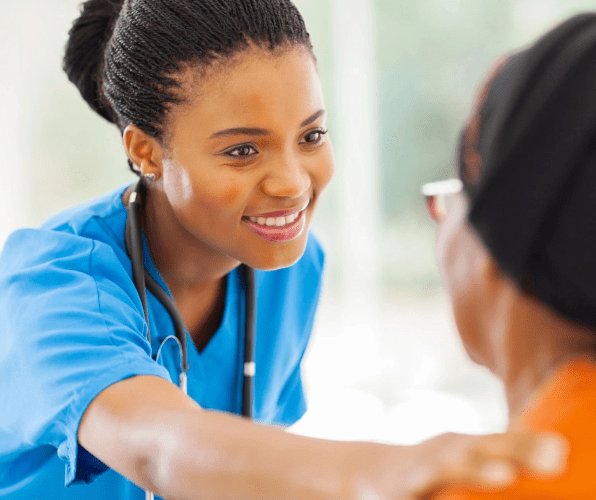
(280,228)
(276,221)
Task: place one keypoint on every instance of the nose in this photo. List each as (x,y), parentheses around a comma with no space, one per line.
(287,178)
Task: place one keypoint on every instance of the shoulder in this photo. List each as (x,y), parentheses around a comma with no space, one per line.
(571,390)
(80,249)
(70,238)
(565,404)
(105,214)
(43,270)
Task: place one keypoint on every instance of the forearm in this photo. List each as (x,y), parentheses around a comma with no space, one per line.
(219,456)
(150,432)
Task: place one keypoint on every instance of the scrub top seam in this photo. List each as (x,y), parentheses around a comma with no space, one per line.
(100,308)
(103,219)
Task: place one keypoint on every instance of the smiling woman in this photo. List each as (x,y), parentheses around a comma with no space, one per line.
(222,117)
(252,145)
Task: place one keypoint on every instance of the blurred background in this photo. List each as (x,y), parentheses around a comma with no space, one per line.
(399,77)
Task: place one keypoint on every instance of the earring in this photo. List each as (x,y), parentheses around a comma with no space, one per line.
(149,177)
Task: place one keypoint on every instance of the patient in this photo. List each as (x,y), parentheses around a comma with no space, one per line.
(517,247)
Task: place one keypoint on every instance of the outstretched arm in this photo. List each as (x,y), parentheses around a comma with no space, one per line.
(149,431)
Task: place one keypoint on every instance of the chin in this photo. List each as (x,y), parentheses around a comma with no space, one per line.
(474,357)
(280,257)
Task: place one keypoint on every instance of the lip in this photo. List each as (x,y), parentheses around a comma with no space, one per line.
(281,213)
(279,234)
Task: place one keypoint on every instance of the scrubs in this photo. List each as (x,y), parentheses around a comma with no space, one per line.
(72,324)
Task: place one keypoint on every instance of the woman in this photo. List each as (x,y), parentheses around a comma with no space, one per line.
(517,247)
(222,116)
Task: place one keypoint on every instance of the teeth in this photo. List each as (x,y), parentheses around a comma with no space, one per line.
(275,221)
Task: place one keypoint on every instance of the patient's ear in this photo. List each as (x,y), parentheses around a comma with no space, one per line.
(144,151)
(498,288)
(490,269)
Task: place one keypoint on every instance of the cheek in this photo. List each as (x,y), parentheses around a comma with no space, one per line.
(322,171)
(463,296)
(199,191)
(457,265)
(471,301)
(230,196)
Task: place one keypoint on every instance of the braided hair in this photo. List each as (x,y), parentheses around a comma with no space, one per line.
(124,55)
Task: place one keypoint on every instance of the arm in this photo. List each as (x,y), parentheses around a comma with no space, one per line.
(149,431)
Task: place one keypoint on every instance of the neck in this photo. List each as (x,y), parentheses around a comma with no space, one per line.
(535,341)
(185,263)
(194,273)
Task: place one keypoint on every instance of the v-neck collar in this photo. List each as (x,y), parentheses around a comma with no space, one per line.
(229,319)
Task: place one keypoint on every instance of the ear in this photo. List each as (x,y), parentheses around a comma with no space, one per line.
(491,278)
(490,269)
(143,150)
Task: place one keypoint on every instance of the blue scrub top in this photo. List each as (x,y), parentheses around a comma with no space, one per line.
(72,324)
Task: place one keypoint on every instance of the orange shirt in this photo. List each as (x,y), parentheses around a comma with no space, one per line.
(566,404)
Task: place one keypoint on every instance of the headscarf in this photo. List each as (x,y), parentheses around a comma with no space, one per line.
(527,158)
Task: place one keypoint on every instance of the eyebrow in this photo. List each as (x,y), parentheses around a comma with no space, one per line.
(261,131)
(312,118)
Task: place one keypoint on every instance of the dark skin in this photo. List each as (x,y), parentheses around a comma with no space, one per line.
(250,141)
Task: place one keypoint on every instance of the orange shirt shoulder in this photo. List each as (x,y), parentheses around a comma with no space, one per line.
(565,404)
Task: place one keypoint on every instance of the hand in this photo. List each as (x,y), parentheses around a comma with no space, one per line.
(490,461)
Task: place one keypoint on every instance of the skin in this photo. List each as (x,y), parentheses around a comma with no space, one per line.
(513,334)
(151,432)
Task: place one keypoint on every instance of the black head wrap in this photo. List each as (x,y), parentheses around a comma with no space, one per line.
(527,158)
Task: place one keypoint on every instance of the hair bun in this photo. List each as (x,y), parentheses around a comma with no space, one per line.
(84,52)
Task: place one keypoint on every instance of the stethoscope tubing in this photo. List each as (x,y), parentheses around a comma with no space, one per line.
(249,344)
(144,281)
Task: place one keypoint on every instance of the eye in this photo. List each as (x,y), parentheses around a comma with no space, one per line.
(314,136)
(242,151)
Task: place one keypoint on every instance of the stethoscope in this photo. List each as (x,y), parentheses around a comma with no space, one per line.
(143,280)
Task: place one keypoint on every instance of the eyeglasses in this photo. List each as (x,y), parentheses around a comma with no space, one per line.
(435,194)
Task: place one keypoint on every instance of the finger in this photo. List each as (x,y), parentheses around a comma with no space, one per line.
(540,454)
(485,473)
(489,475)
(463,459)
